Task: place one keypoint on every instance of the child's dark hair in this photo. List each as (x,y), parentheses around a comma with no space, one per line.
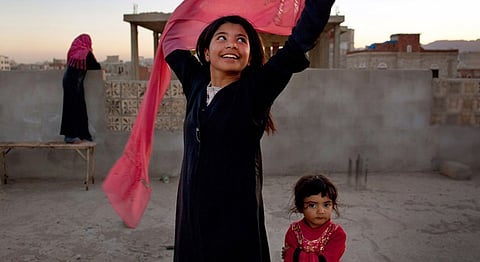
(313,185)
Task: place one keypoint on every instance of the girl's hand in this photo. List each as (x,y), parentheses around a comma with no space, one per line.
(312,21)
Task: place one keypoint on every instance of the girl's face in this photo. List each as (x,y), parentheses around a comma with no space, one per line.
(317,210)
(229,50)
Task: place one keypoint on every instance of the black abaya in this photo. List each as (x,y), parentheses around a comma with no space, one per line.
(74,114)
(220,214)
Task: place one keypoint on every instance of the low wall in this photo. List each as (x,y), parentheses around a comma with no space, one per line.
(324,117)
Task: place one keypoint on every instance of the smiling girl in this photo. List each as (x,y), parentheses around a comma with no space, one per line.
(229,89)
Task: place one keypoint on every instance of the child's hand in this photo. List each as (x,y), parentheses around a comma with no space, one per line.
(283,252)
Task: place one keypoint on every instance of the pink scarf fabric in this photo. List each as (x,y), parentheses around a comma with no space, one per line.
(127,185)
(77,54)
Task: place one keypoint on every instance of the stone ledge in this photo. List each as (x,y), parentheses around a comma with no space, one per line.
(455,170)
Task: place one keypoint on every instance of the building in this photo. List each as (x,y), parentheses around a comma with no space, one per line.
(469,65)
(114,68)
(404,51)
(326,53)
(57,64)
(346,45)
(4,63)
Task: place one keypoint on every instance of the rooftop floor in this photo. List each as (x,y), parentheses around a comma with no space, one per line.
(397,217)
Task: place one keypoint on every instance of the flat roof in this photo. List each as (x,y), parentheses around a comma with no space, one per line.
(156,21)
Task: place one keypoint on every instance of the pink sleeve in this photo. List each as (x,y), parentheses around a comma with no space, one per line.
(290,244)
(336,246)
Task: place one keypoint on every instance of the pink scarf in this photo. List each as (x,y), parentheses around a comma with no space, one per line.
(77,54)
(127,185)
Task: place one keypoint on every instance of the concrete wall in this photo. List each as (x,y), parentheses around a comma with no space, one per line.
(31,110)
(326,117)
(329,117)
(323,118)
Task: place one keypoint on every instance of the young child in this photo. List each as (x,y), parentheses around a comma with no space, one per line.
(315,237)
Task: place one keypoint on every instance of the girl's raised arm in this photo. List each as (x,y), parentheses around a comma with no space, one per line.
(310,25)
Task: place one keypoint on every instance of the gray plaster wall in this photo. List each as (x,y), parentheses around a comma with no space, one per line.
(327,117)
(31,110)
(324,117)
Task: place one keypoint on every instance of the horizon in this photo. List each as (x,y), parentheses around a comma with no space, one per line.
(151,58)
(54,28)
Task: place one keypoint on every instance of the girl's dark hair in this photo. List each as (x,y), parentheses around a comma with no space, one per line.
(257,52)
(313,185)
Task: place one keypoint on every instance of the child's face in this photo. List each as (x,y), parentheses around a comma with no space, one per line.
(229,50)
(317,210)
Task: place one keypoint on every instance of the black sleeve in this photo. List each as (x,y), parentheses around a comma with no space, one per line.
(276,74)
(92,63)
(186,67)
(291,58)
(321,258)
(296,254)
(312,21)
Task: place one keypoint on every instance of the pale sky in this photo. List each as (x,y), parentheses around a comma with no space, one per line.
(40,30)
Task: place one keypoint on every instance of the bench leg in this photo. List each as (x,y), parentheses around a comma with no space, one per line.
(4,162)
(90,159)
(87,178)
(92,164)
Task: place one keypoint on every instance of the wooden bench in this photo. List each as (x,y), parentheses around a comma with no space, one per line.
(86,150)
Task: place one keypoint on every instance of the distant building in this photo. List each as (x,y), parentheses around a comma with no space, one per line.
(115,68)
(404,51)
(4,63)
(57,64)
(469,65)
(319,56)
(347,36)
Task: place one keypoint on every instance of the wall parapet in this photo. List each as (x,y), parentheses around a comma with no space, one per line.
(323,118)
(456,102)
(124,97)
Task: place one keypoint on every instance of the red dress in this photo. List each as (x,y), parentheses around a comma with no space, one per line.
(328,240)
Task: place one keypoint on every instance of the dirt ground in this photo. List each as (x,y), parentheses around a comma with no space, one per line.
(396,217)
